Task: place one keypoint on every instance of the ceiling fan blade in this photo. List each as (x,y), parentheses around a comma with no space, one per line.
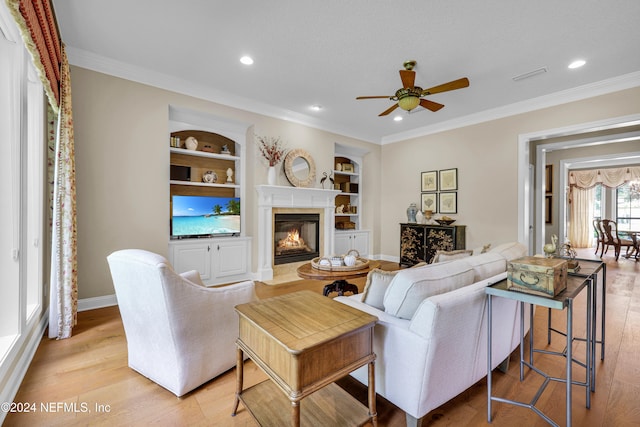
(388,110)
(374,97)
(453,85)
(430,105)
(408,78)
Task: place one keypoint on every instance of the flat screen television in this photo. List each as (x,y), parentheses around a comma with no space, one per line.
(204,216)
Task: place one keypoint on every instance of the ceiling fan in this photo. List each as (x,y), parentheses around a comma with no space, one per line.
(409,96)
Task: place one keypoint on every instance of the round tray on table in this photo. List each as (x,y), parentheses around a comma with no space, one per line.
(360,264)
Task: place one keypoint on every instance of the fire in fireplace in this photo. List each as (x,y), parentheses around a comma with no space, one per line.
(296,237)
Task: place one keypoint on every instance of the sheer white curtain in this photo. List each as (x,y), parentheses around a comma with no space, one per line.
(581,215)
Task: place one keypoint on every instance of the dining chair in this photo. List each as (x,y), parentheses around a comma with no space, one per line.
(613,239)
(599,235)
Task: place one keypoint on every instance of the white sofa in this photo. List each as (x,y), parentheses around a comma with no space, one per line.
(431,335)
(180,334)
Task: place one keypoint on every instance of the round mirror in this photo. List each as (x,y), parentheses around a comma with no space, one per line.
(299,168)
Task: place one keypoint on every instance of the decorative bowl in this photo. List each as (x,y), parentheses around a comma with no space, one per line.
(445,221)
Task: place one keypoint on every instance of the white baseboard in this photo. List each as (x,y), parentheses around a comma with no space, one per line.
(389,258)
(97,302)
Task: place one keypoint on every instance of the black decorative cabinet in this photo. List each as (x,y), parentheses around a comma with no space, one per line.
(419,242)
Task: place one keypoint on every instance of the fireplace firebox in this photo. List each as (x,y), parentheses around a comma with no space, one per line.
(296,237)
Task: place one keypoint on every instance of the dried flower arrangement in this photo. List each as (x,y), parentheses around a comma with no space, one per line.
(272,149)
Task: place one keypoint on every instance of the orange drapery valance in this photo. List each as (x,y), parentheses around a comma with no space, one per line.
(37,23)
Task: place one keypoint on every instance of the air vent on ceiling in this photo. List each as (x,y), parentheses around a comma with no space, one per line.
(523,76)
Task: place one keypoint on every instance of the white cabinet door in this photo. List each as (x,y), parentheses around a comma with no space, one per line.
(230,257)
(360,243)
(344,241)
(186,256)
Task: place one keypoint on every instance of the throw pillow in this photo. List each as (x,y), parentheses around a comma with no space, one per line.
(481,249)
(375,287)
(407,290)
(442,256)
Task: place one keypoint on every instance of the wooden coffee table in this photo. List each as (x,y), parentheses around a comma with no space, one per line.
(339,279)
(304,342)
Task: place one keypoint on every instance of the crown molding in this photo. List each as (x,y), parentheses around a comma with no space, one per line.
(91,61)
(603,87)
(101,64)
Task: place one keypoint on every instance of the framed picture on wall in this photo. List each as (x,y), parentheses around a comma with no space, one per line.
(448,202)
(548,205)
(449,179)
(429,181)
(429,202)
(548,179)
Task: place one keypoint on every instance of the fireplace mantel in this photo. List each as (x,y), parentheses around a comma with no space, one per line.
(279,196)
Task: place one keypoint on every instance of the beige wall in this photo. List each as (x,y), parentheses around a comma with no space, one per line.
(122,157)
(121,130)
(486,157)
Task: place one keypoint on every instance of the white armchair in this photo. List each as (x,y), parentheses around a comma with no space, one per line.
(180,334)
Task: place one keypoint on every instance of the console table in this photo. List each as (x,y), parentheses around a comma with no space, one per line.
(564,300)
(304,342)
(590,269)
(420,242)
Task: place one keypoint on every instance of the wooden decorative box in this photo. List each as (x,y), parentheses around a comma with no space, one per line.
(346,225)
(538,276)
(349,187)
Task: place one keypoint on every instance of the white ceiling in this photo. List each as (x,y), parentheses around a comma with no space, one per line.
(327,52)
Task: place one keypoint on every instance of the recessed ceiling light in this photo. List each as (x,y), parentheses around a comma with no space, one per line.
(397,119)
(316,107)
(246,60)
(577,63)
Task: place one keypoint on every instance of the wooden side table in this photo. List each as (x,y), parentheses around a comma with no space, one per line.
(304,342)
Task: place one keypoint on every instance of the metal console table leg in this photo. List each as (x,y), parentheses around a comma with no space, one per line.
(565,300)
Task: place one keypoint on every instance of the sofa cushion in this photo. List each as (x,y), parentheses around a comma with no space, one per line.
(486,265)
(442,256)
(375,287)
(409,287)
(511,251)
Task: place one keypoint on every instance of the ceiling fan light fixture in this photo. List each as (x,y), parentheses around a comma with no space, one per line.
(409,103)
(409,98)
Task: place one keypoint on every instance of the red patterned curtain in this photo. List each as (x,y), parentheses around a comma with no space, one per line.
(37,23)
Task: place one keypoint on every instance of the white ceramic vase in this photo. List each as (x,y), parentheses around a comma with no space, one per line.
(271,175)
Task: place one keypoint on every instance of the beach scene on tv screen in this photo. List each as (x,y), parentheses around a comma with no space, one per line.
(201,215)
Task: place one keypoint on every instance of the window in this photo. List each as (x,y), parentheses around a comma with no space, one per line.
(22,183)
(627,208)
(598,202)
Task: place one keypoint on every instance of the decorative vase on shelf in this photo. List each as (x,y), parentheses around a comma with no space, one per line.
(271,175)
(412,210)
(419,217)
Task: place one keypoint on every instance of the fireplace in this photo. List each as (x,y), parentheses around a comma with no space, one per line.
(296,237)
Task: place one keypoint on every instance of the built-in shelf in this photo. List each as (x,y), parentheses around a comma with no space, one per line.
(203,154)
(203,184)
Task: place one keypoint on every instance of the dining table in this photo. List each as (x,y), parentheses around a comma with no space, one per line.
(635,238)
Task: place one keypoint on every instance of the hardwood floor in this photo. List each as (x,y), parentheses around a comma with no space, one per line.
(88,373)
